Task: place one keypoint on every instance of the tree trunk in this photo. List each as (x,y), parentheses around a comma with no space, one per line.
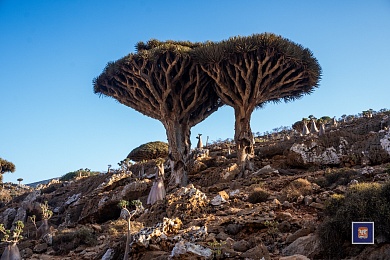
(244,138)
(11,252)
(43,229)
(127,249)
(179,150)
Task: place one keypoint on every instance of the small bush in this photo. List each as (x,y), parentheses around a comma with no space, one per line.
(5,196)
(117,227)
(79,173)
(340,177)
(297,188)
(258,195)
(362,202)
(68,240)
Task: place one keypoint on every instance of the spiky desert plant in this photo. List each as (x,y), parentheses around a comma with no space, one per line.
(127,214)
(46,215)
(251,71)
(11,252)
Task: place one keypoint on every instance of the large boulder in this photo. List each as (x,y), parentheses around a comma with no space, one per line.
(343,147)
(307,245)
(187,202)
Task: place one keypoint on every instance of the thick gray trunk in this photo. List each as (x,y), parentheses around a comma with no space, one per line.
(43,229)
(179,150)
(244,138)
(11,252)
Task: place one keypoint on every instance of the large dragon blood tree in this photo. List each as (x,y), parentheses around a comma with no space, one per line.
(161,81)
(250,71)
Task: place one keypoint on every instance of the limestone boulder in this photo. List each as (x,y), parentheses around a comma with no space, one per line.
(307,245)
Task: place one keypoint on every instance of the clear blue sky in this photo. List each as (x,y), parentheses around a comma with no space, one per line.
(52,122)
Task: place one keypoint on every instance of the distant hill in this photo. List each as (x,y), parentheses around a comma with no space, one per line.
(35,184)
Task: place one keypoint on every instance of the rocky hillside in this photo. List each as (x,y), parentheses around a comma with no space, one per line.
(275,211)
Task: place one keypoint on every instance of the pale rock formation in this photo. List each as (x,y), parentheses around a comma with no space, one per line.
(183,249)
(309,154)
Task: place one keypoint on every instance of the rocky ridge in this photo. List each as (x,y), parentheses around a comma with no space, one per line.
(271,213)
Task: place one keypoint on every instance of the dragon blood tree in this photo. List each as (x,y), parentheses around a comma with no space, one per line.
(161,81)
(251,71)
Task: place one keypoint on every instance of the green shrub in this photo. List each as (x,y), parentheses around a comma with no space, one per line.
(362,202)
(339,177)
(79,173)
(258,195)
(297,188)
(67,240)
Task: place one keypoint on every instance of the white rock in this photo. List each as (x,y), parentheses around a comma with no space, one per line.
(73,198)
(233,193)
(108,255)
(385,142)
(182,248)
(217,200)
(266,169)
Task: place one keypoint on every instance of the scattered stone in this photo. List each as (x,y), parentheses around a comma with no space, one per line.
(222,236)
(266,170)
(26,253)
(8,217)
(233,229)
(297,234)
(183,249)
(287,204)
(72,199)
(300,199)
(259,252)
(317,205)
(217,200)
(306,245)
(275,204)
(241,246)
(234,193)
(294,257)
(109,254)
(283,216)
(308,200)
(340,189)
(284,226)
(40,248)
(374,253)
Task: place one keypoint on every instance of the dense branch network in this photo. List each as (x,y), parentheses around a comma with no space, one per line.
(251,71)
(170,85)
(162,81)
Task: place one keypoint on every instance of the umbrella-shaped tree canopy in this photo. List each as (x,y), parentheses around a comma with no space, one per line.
(161,80)
(149,151)
(251,71)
